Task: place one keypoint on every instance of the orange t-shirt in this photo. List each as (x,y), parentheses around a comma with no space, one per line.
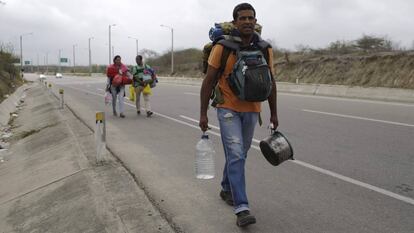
(230,100)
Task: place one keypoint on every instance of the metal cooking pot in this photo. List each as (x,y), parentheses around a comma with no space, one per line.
(276,148)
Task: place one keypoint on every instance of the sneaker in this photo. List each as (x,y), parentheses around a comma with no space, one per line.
(115,114)
(122,115)
(244,218)
(226,197)
(149,113)
(139,112)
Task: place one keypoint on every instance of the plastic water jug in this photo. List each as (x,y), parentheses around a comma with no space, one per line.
(204,161)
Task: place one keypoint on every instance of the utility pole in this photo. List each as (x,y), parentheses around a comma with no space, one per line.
(37,62)
(172,47)
(136,41)
(74,61)
(109,46)
(47,62)
(59,60)
(90,55)
(21,49)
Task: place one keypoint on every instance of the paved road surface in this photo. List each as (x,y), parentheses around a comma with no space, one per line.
(353,173)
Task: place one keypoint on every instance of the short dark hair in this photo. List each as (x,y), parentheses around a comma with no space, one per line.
(138,56)
(240,7)
(117,56)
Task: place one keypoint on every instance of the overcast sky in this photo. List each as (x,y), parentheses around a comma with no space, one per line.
(58,24)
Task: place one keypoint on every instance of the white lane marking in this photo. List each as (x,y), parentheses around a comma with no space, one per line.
(356,182)
(359,118)
(301,163)
(100,89)
(191,93)
(347,99)
(333,174)
(210,125)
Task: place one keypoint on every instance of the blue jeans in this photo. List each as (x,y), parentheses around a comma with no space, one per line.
(120,96)
(237,129)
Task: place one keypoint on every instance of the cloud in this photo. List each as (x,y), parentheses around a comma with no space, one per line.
(60,24)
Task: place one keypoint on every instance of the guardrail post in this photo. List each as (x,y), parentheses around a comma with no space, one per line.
(100,136)
(61,98)
(50,88)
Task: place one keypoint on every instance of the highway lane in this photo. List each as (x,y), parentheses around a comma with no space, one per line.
(380,153)
(351,147)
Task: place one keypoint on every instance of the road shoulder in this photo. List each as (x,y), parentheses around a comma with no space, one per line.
(49,180)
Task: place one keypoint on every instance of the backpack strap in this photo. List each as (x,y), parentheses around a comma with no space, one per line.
(264,46)
(228,47)
(230,44)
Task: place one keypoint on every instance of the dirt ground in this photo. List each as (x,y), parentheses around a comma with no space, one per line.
(392,69)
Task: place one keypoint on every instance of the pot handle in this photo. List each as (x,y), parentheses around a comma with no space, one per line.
(271,128)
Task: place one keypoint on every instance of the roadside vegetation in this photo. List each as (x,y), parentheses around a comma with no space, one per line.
(369,61)
(10,78)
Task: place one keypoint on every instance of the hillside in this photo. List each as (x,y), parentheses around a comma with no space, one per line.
(374,69)
(187,62)
(390,69)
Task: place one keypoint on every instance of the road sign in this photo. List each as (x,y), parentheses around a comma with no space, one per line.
(27,62)
(64,60)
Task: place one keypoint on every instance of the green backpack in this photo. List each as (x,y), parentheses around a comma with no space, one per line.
(143,73)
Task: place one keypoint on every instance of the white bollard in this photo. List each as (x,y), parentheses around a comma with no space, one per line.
(100,136)
(297,80)
(61,98)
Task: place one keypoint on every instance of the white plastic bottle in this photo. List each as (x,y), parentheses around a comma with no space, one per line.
(204,161)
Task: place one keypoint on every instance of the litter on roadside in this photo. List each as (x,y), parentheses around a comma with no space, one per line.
(6,135)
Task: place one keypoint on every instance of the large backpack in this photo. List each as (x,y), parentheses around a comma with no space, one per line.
(219,32)
(148,74)
(251,78)
(226,35)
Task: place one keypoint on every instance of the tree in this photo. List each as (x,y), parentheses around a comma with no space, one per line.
(147,53)
(342,47)
(303,48)
(373,43)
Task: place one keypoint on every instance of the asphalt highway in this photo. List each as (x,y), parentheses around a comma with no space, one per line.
(353,170)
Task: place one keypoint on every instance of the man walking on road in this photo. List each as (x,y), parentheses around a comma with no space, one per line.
(144,76)
(237,117)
